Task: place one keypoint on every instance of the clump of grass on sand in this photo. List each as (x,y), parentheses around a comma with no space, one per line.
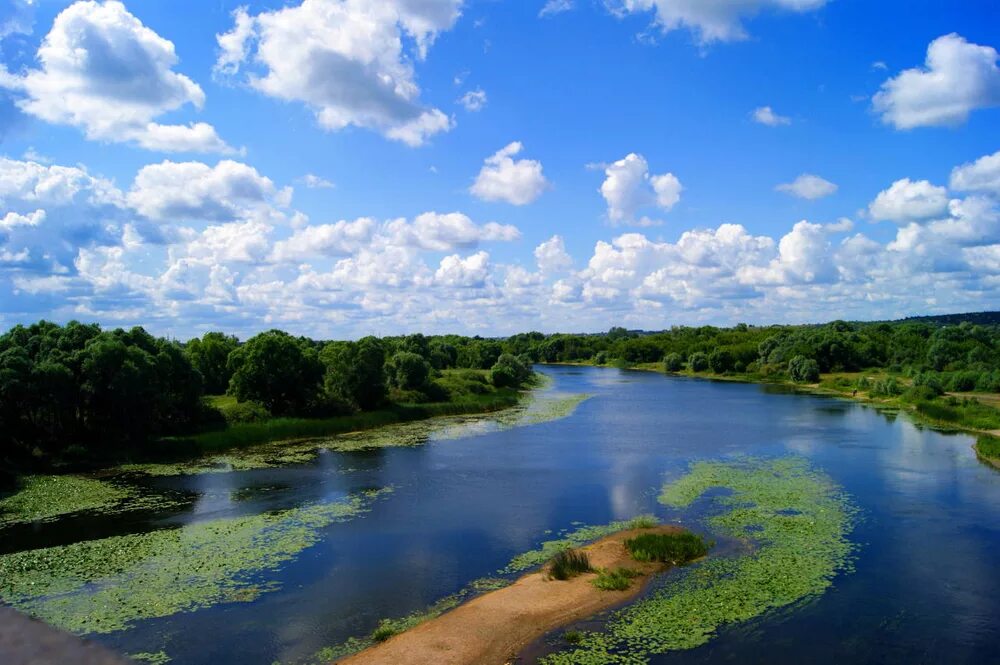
(567,564)
(672,548)
(618,579)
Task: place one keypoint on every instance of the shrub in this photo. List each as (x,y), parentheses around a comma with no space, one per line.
(509,371)
(803,370)
(244,412)
(673,362)
(573,636)
(407,371)
(672,548)
(930,381)
(568,564)
(720,361)
(698,362)
(963,382)
(615,580)
(886,387)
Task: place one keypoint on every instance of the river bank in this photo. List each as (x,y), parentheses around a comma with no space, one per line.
(494,627)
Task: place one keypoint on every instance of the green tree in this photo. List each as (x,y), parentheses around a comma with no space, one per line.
(407,371)
(673,362)
(278,371)
(803,370)
(720,361)
(210,356)
(355,372)
(509,371)
(698,362)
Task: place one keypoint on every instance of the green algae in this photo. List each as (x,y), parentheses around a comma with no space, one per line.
(797,521)
(47,498)
(106,585)
(151,657)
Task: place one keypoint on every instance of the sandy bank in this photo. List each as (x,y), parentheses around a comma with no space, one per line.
(494,627)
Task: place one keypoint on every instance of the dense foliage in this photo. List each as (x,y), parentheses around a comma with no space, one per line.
(77,388)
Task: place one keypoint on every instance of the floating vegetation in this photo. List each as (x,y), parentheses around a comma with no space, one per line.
(799,521)
(105,585)
(151,657)
(575,538)
(263,456)
(47,498)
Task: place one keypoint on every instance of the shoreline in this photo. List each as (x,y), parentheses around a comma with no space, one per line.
(818,390)
(492,629)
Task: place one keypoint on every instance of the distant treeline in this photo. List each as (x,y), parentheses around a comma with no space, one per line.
(78,387)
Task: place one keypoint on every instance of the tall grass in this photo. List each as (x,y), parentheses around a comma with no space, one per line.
(988,446)
(672,548)
(966,413)
(568,564)
(618,579)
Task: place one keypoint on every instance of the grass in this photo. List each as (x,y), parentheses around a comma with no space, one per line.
(618,579)
(672,548)
(567,564)
(966,413)
(575,538)
(573,636)
(798,522)
(988,448)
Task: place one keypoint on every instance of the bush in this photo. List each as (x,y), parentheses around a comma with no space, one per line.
(568,564)
(615,580)
(930,381)
(672,548)
(886,388)
(407,371)
(698,362)
(509,371)
(720,361)
(963,382)
(244,412)
(673,362)
(803,370)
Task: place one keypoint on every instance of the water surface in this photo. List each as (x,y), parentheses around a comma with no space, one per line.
(924,589)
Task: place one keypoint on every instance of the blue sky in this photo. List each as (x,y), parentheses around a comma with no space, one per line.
(345,167)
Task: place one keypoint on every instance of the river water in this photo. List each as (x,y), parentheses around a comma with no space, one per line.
(924,588)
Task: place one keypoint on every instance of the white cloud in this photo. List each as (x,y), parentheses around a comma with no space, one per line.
(473,100)
(12,219)
(346,60)
(340,239)
(105,72)
(765,115)
(717,20)
(503,179)
(804,256)
(808,186)
(470,272)
(313,181)
(908,200)
(628,188)
(553,7)
(958,78)
(444,232)
(184,191)
(552,257)
(983,175)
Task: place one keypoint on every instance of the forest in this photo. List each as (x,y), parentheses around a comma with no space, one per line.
(76,391)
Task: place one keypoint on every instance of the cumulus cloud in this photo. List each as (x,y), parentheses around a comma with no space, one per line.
(105,72)
(957,78)
(552,256)
(982,175)
(907,201)
(628,188)
(339,239)
(444,232)
(345,59)
(503,179)
(186,191)
(716,21)
(765,115)
(468,272)
(808,186)
(473,100)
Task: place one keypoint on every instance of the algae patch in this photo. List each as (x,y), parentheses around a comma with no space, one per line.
(106,585)
(47,498)
(797,518)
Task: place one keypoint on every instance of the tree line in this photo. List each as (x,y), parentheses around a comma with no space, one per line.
(76,389)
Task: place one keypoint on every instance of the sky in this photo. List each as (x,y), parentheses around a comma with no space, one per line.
(340,168)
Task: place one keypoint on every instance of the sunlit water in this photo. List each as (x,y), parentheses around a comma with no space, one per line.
(926,588)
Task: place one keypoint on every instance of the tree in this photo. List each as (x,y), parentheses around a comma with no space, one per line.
(278,371)
(698,362)
(720,361)
(509,371)
(210,356)
(407,371)
(355,372)
(673,362)
(803,370)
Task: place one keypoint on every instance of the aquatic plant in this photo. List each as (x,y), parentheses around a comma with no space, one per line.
(567,564)
(618,579)
(105,585)
(672,548)
(47,498)
(151,657)
(798,521)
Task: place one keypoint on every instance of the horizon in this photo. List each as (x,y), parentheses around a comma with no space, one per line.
(343,168)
